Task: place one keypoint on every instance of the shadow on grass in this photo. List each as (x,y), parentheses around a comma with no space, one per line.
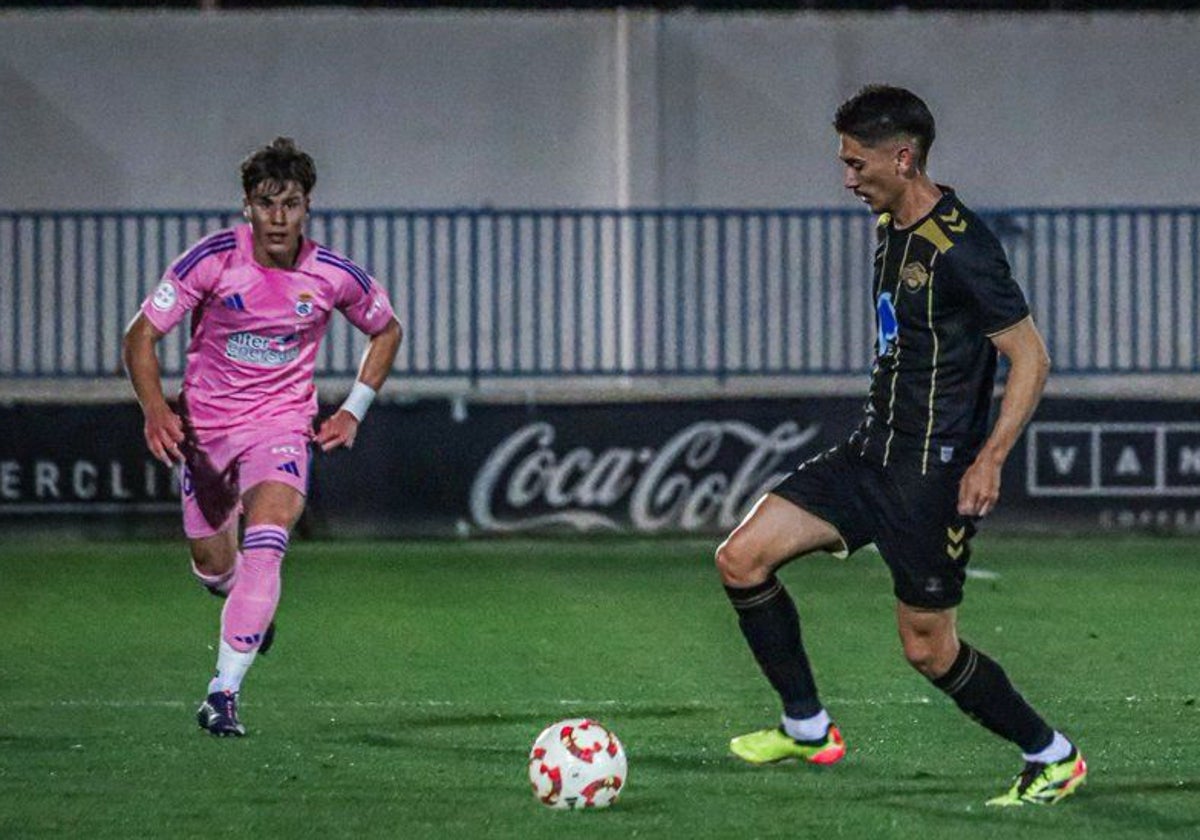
(1129,804)
(435,719)
(55,743)
(1101,809)
(404,729)
(1164,786)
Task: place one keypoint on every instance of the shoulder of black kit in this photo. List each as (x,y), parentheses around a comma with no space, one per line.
(951,225)
(963,242)
(970,265)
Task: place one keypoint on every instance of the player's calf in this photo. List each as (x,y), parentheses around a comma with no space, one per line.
(220,586)
(248,612)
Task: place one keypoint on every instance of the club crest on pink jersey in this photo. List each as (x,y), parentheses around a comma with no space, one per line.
(164,296)
(304,306)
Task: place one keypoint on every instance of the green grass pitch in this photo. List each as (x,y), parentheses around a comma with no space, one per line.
(408,681)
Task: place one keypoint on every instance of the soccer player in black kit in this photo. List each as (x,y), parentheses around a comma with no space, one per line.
(922,466)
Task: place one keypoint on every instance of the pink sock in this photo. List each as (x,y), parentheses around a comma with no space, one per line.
(218,584)
(255,594)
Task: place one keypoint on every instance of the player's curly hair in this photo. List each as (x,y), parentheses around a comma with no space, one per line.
(881,112)
(276,164)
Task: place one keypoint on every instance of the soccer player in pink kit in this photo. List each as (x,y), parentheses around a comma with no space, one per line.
(260,297)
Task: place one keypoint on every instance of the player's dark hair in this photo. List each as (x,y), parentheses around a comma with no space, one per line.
(880,112)
(275,165)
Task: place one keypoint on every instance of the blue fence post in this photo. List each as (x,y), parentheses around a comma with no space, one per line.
(473,270)
(721,326)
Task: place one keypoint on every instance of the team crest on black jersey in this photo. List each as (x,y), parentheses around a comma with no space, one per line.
(304,306)
(915,276)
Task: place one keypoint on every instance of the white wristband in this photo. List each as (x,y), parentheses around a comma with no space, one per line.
(359,400)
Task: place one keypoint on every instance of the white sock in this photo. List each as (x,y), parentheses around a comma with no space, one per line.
(231,668)
(1059,749)
(809,728)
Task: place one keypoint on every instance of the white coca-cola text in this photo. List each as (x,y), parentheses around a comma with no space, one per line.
(676,486)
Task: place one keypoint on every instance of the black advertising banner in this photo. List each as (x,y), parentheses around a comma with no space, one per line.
(84,464)
(644,467)
(454,468)
(1107,465)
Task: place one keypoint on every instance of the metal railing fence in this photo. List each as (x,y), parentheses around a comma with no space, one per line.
(615,293)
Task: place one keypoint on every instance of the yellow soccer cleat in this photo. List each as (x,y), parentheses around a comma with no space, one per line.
(1045,784)
(767,746)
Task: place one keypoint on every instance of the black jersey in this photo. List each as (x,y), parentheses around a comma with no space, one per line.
(942,288)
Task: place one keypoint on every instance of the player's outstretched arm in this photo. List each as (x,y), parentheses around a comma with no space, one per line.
(342,427)
(1029,365)
(163,429)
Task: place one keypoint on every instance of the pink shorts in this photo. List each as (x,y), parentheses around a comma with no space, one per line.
(219,467)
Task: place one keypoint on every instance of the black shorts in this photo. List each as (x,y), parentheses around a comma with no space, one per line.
(912,518)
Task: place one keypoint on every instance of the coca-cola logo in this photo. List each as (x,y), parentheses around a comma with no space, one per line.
(707,474)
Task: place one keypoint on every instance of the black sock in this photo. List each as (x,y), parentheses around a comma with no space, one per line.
(769,622)
(981,689)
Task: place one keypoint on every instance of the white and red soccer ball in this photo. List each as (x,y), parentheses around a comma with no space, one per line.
(577,763)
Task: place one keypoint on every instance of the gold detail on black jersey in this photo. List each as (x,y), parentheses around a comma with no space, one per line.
(956,544)
(887,446)
(930,231)
(952,221)
(934,370)
(883,220)
(915,276)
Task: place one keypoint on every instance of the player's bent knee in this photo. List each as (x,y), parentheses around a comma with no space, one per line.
(272,503)
(212,558)
(929,639)
(930,655)
(739,566)
(921,657)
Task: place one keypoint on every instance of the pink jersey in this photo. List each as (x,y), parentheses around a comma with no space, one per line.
(256,330)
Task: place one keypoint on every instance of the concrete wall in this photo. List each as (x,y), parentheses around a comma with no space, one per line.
(404,109)
(157,109)
(1032,109)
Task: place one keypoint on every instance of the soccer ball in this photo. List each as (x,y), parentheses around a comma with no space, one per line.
(577,763)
